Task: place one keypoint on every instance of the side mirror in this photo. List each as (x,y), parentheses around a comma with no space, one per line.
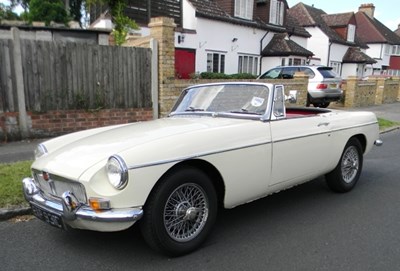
(292,97)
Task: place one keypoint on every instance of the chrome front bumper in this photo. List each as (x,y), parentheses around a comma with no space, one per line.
(69,212)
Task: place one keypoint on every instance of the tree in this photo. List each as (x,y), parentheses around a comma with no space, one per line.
(122,23)
(6,13)
(47,11)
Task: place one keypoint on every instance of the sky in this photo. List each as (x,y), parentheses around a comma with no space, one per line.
(386,11)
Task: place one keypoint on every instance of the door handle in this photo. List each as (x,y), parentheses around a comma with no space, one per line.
(323,124)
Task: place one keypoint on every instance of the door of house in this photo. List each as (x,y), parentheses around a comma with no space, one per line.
(184,63)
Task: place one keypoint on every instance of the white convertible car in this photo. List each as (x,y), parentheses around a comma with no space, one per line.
(223,144)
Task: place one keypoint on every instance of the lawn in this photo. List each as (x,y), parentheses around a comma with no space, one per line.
(385,124)
(11,176)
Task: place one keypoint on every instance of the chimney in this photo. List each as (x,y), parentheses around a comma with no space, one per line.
(368,9)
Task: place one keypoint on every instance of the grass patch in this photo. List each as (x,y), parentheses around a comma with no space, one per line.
(11,176)
(386,124)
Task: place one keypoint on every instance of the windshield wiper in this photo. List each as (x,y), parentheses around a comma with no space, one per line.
(193,109)
(244,111)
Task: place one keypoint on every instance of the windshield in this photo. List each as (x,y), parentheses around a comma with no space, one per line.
(223,98)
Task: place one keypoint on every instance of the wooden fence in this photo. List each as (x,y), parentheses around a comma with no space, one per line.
(61,76)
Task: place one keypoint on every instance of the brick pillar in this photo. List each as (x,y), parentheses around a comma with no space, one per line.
(302,88)
(162,29)
(380,86)
(350,92)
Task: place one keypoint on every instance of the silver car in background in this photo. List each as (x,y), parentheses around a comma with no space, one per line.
(324,85)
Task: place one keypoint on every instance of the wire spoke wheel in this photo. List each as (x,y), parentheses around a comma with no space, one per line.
(350,164)
(186,212)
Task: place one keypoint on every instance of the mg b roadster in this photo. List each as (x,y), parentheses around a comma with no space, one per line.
(223,144)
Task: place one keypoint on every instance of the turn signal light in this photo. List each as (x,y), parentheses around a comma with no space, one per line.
(98,204)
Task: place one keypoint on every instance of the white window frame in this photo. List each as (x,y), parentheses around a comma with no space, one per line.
(244,9)
(276,12)
(351,32)
(217,57)
(248,64)
(336,66)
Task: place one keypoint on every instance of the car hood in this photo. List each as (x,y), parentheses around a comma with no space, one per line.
(70,159)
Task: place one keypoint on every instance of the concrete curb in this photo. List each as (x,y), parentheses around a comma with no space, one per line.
(8,213)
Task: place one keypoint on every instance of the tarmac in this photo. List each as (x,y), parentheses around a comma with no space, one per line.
(11,152)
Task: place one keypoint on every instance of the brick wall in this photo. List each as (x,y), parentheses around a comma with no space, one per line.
(374,91)
(60,122)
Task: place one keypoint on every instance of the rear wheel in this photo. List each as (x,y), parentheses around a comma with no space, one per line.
(180,212)
(322,105)
(347,172)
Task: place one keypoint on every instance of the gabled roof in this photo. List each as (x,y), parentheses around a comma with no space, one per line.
(338,19)
(309,16)
(370,30)
(355,55)
(280,46)
(294,28)
(210,10)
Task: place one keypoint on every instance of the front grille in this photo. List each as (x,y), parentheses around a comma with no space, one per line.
(57,185)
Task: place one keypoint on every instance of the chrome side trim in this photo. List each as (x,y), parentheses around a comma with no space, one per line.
(195,156)
(324,132)
(161,162)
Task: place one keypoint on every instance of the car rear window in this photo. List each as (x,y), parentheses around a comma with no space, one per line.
(327,72)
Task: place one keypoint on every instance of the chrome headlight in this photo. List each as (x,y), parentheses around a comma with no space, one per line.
(40,151)
(117,172)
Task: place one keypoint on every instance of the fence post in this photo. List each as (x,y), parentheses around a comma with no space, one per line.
(154,77)
(23,117)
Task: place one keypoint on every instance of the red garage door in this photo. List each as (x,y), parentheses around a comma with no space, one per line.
(184,63)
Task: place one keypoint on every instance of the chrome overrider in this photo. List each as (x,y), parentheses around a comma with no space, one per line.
(378,142)
(77,215)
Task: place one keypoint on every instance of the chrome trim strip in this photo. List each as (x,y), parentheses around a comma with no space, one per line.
(324,132)
(194,156)
(161,162)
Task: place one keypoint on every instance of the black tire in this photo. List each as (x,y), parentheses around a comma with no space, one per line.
(187,198)
(347,172)
(322,105)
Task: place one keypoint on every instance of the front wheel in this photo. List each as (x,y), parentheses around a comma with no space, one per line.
(180,212)
(347,172)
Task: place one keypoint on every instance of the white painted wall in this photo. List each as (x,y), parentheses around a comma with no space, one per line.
(377,51)
(318,44)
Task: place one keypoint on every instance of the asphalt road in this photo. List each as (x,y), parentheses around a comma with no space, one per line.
(305,228)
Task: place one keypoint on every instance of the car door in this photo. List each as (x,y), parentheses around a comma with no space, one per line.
(300,148)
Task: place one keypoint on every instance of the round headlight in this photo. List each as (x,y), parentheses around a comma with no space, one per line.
(117,172)
(40,151)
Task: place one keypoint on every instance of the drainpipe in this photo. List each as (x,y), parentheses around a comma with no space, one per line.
(261,48)
(329,53)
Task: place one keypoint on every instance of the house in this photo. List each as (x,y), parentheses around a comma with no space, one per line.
(383,43)
(227,36)
(333,40)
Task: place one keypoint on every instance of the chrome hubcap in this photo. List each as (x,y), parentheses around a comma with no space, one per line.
(186,212)
(350,164)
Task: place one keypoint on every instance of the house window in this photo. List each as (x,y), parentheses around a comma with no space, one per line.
(351,31)
(244,9)
(248,64)
(215,62)
(276,12)
(396,50)
(336,66)
(387,49)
